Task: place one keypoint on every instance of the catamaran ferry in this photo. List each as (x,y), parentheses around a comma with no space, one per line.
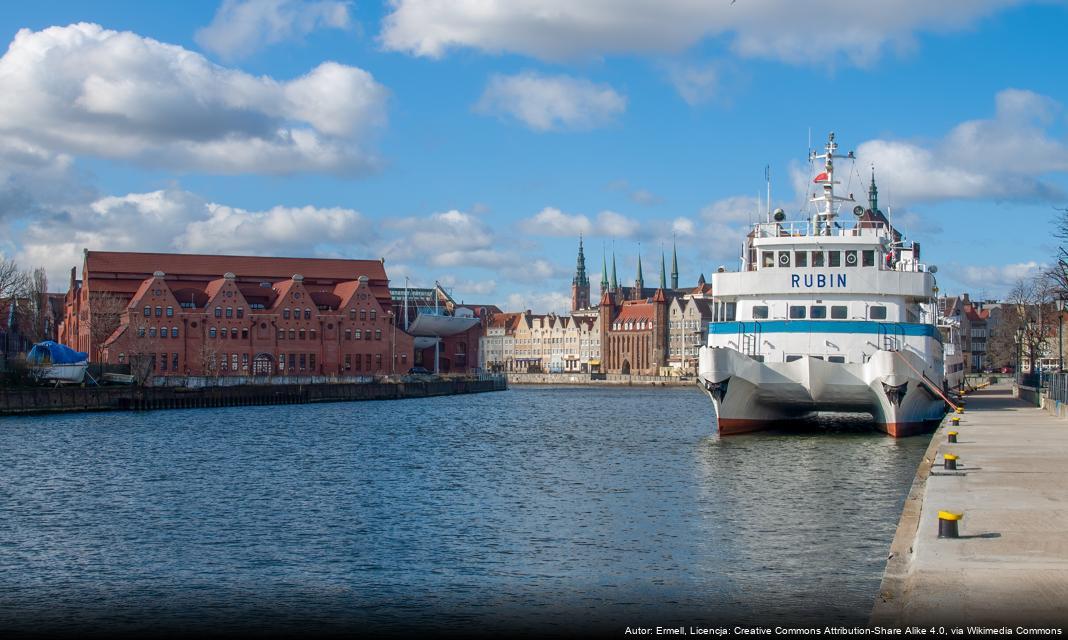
(826,316)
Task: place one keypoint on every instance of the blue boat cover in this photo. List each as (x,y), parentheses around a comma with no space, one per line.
(49,352)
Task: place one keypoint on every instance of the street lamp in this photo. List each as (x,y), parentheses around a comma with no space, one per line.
(1062,306)
(1017,339)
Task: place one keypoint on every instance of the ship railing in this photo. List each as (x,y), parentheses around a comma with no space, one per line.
(799,228)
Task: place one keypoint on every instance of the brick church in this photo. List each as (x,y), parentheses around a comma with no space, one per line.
(634,322)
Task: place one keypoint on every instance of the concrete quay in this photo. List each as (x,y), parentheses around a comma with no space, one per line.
(1009,567)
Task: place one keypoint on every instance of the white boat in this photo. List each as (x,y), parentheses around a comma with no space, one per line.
(826,316)
(53,362)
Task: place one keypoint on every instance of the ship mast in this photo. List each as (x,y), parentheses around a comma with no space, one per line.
(823,221)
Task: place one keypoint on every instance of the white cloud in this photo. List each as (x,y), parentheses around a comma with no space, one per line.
(539,302)
(553,222)
(683,227)
(242,27)
(695,83)
(995,279)
(177,220)
(777,29)
(1001,157)
(551,103)
(461,288)
(85,90)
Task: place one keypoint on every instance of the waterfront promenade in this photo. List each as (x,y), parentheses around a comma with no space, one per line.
(1010,564)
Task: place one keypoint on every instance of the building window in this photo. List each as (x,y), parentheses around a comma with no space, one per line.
(240,312)
(281,334)
(817,312)
(148,312)
(374,315)
(378,334)
(281,361)
(303,334)
(877,313)
(367,335)
(218,312)
(223,333)
(348,334)
(303,361)
(159,312)
(244,333)
(367,361)
(151,332)
(312,334)
(233,333)
(839,312)
(163,362)
(292,334)
(233,362)
(174,362)
(348,361)
(211,332)
(174,332)
(244,361)
(170,312)
(229,312)
(358,361)
(311,361)
(378,361)
(285,313)
(122,358)
(307,314)
(797,312)
(359,334)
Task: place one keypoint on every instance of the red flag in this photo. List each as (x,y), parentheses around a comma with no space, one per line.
(820,177)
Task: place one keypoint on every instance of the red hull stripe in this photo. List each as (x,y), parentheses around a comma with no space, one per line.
(735,426)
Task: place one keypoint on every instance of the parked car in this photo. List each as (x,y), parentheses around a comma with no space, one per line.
(418,371)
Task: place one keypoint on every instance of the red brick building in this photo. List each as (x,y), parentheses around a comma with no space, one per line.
(235,315)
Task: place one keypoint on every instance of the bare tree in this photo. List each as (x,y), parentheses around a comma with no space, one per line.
(209,359)
(1028,322)
(102,319)
(35,312)
(13,282)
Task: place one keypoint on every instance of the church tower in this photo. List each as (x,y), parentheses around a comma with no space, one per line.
(604,272)
(580,284)
(873,193)
(674,266)
(639,282)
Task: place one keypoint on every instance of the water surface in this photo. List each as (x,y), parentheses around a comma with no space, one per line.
(537,508)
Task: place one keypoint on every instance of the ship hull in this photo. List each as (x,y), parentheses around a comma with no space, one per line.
(752,396)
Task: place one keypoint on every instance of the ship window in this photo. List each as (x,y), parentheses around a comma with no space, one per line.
(839,312)
(817,311)
(793,358)
(877,313)
(758,358)
(816,357)
(797,313)
(760,312)
(784,258)
(834,258)
(729,310)
(838,359)
(768,258)
(801,258)
(817,259)
(867,258)
(851,258)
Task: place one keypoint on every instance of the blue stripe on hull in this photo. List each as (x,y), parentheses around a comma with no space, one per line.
(824,326)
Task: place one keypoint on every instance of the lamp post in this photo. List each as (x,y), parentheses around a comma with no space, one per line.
(393,344)
(1062,306)
(1017,339)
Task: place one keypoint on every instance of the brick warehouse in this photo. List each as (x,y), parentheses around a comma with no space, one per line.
(235,315)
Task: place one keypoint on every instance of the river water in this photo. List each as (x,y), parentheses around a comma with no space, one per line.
(540,509)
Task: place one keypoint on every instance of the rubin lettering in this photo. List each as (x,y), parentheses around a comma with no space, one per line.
(818,280)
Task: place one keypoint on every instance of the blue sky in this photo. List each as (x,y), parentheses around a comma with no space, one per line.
(470,142)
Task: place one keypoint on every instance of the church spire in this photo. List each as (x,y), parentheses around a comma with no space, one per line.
(604,271)
(615,283)
(873,193)
(674,265)
(663,272)
(581,279)
(639,283)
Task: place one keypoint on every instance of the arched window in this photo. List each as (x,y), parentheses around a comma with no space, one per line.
(307,314)
(374,315)
(240,312)
(174,332)
(122,358)
(218,312)
(378,334)
(363,314)
(229,312)
(348,334)
(211,332)
(170,312)
(233,332)
(285,313)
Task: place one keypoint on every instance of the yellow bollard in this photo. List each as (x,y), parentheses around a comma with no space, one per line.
(947,524)
(949,461)
(952,436)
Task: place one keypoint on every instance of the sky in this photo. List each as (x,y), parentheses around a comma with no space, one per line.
(471,142)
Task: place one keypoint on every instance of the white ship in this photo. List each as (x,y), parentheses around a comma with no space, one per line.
(826,315)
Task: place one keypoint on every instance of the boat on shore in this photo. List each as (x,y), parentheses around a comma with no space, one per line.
(56,363)
(826,315)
